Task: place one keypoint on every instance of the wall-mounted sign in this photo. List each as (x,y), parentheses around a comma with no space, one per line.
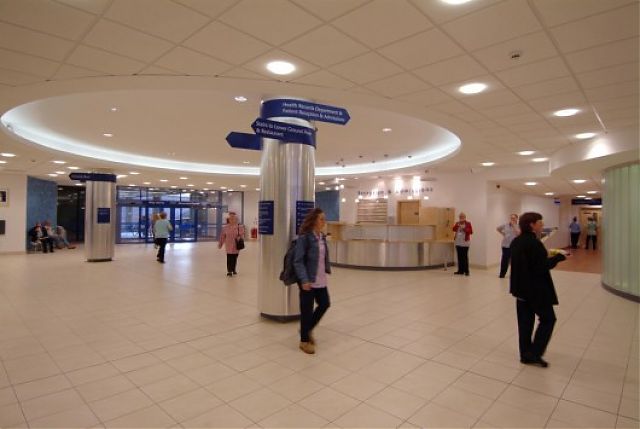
(104,215)
(403,191)
(302,208)
(265,217)
(93,177)
(586,202)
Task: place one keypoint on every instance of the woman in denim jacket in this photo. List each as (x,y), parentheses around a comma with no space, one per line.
(311,262)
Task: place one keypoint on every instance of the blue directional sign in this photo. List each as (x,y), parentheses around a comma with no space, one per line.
(302,208)
(284,132)
(93,177)
(265,217)
(244,141)
(305,110)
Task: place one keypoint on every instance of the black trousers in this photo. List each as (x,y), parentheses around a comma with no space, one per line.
(232,262)
(309,317)
(526,319)
(463,259)
(593,239)
(47,244)
(504,262)
(162,243)
(575,236)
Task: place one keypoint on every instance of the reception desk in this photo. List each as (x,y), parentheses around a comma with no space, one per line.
(388,247)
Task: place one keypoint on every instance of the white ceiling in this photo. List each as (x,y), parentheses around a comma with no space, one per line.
(403,57)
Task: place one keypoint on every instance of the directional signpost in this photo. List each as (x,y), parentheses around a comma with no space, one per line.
(244,141)
(305,110)
(93,177)
(284,132)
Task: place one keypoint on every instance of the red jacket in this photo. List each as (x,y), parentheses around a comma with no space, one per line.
(468,230)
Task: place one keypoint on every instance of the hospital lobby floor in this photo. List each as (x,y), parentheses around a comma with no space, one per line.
(134,343)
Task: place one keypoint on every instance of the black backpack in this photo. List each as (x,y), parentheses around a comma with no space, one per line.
(288,274)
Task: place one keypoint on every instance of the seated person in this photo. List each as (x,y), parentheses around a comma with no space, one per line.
(60,238)
(40,234)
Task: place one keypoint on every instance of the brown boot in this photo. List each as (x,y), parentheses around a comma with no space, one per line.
(307,347)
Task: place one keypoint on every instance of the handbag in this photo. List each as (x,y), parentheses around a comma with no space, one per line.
(239,241)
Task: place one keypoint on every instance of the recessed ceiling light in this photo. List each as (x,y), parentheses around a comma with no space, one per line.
(455,2)
(230,190)
(190,185)
(386,130)
(131,184)
(53,174)
(526,152)
(240,99)
(79,184)
(223,187)
(257,189)
(531,183)
(59,162)
(163,180)
(59,172)
(2,162)
(114,109)
(592,192)
(121,176)
(566,112)
(337,188)
(243,186)
(472,88)
(579,180)
(281,67)
(184,178)
(146,183)
(73,168)
(321,183)
(488,164)
(210,183)
(246,162)
(343,200)
(173,186)
(540,159)
(548,193)
(581,196)
(205,189)
(425,198)
(327,188)
(107,134)
(8,155)
(583,136)
(133,172)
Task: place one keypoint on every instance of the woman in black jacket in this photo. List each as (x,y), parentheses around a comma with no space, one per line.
(533,288)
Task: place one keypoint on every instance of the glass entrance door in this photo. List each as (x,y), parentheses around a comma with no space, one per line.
(132,225)
(184,225)
(208,223)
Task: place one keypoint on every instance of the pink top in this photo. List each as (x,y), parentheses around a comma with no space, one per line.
(228,237)
(321,277)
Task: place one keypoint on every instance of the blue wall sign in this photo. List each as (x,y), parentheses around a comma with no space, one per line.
(284,132)
(305,110)
(265,217)
(93,177)
(244,141)
(302,208)
(586,202)
(104,215)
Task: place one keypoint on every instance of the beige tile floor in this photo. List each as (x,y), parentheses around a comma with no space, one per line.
(132,343)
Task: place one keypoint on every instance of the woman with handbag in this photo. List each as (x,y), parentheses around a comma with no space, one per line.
(232,236)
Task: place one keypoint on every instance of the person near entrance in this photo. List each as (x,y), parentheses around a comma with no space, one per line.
(509,231)
(463,231)
(592,233)
(229,236)
(312,264)
(161,230)
(574,229)
(532,286)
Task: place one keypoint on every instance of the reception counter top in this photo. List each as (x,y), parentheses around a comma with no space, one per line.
(388,247)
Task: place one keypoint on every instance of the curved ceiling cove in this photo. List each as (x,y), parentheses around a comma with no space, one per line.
(185,130)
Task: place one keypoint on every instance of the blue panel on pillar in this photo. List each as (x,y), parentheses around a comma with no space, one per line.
(284,132)
(305,110)
(104,215)
(244,141)
(302,208)
(265,217)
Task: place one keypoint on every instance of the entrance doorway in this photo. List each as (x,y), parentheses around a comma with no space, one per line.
(408,212)
(596,215)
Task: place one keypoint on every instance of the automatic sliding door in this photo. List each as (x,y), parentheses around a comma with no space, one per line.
(185,224)
(132,225)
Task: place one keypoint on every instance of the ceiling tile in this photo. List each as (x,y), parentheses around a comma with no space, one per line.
(452,107)
(519,119)
(325,79)
(122,40)
(488,99)
(242,73)
(597,30)
(401,84)
(426,98)
(440,12)
(621,73)
(398,19)
(555,12)
(325,46)
(73,72)
(14,78)
(617,103)
(508,110)
(84,56)
(547,88)
(470,116)
(483,124)
(95,7)
(47,17)
(494,24)
(192,63)
(603,56)
(550,104)
(214,40)
(523,127)
(161,18)
(452,70)
(30,42)
(275,21)
(366,68)
(542,70)
(613,91)
(258,65)
(329,9)
(27,63)
(425,48)
(210,8)
(155,70)
(532,48)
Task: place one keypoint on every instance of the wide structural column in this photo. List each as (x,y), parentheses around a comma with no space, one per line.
(621,231)
(99,223)
(287,191)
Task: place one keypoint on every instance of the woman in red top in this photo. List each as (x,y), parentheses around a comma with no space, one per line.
(228,237)
(462,240)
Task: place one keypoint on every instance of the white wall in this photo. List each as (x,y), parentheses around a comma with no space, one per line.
(545,206)
(251,209)
(15,214)
(501,203)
